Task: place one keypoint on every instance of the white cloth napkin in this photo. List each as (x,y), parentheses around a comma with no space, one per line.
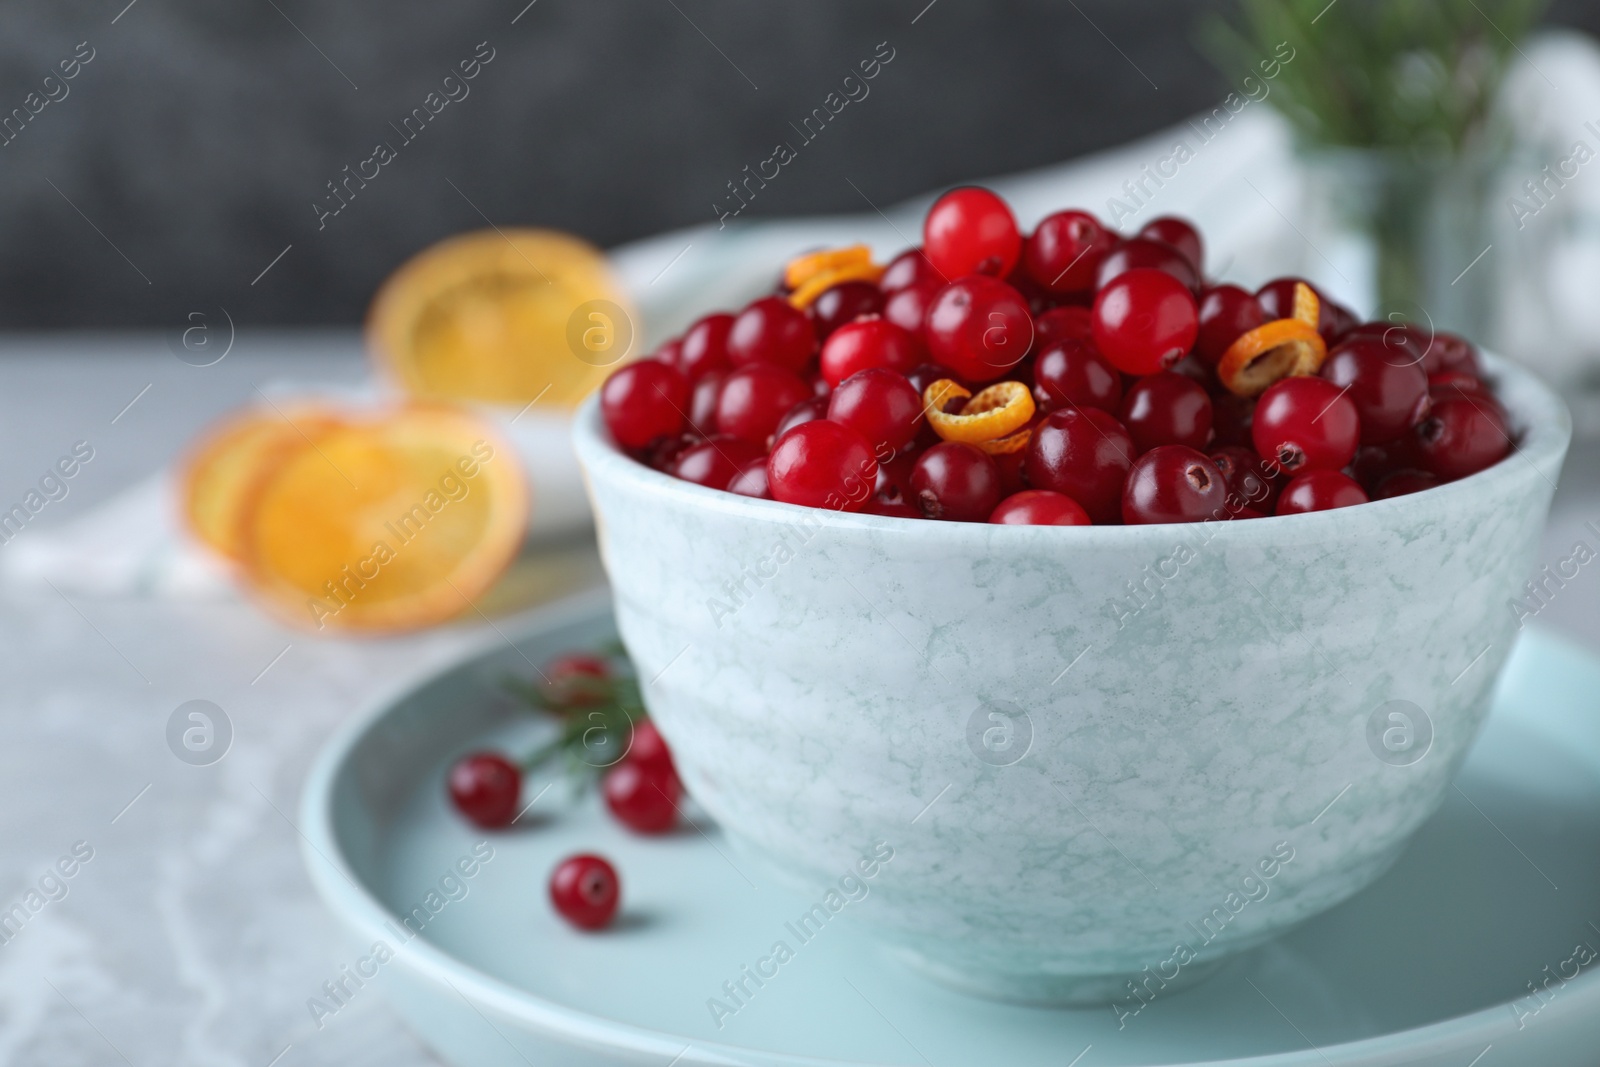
(1243,186)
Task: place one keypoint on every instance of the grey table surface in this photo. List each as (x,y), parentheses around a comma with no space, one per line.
(193,937)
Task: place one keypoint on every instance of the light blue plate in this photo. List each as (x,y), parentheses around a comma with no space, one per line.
(1436,964)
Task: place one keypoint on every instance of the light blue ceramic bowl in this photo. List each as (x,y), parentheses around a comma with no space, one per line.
(1104,758)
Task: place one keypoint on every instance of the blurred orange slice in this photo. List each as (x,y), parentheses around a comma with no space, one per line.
(386,523)
(502,316)
(230,458)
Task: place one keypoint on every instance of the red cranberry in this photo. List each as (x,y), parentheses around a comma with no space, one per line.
(642,402)
(1403,483)
(772,330)
(1063,324)
(1306,423)
(1401,341)
(1390,397)
(1226,312)
(643,796)
(907,308)
(881,405)
(1452,382)
(755,398)
(665,451)
(844,303)
(1178,233)
(1084,453)
(1320,490)
(670,352)
(1039,507)
(1373,464)
(585,891)
(1451,353)
(872,342)
(576,679)
(979,327)
(1166,409)
(1461,436)
(1144,321)
(648,747)
(1073,373)
(803,412)
(1143,253)
(925,374)
(751,480)
(1173,483)
(1249,485)
(714,461)
(1065,250)
(485,787)
(822,464)
(705,346)
(703,403)
(956,481)
(971,231)
(909,268)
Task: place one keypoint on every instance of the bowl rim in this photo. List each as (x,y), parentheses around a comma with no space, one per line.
(1538,418)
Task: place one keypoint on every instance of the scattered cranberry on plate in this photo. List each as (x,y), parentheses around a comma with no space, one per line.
(585,891)
(485,787)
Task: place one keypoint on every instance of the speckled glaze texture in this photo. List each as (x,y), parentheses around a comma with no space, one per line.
(1181,760)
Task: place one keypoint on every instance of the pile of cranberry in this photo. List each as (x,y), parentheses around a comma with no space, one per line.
(641,790)
(1069,377)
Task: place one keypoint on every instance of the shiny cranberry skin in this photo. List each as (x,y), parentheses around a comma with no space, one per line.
(1401,341)
(908,308)
(670,352)
(822,464)
(643,796)
(714,461)
(1306,423)
(772,330)
(643,402)
(755,398)
(1451,382)
(1404,483)
(665,451)
(1320,490)
(1450,353)
(956,481)
(1180,234)
(1084,453)
(979,327)
(751,480)
(705,346)
(1062,324)
(909,268)
(873,342)
(1173,483)
(1144,321)
(844,303)
(1073,373)
(971,231)
(803,412)
(1141,253)
(1166,409)
(881,405)
(1390,397)
(1277,300)
(1248,484)
(1226,312)
(703,403)
(1461,436)
(1039,507)
(585,891)
(648,747)
(485,787)
(1065,250)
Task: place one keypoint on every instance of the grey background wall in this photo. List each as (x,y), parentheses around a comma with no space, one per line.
(190,150)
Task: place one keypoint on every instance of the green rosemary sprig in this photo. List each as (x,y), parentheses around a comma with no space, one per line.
(595,716)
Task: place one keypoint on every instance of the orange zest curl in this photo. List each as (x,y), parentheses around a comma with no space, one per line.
(1282,348)
(991,420)
(802,269)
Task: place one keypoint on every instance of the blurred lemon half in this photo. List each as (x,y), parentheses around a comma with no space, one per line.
(506,317)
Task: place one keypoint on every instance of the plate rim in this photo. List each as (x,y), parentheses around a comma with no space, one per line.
(352,902)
